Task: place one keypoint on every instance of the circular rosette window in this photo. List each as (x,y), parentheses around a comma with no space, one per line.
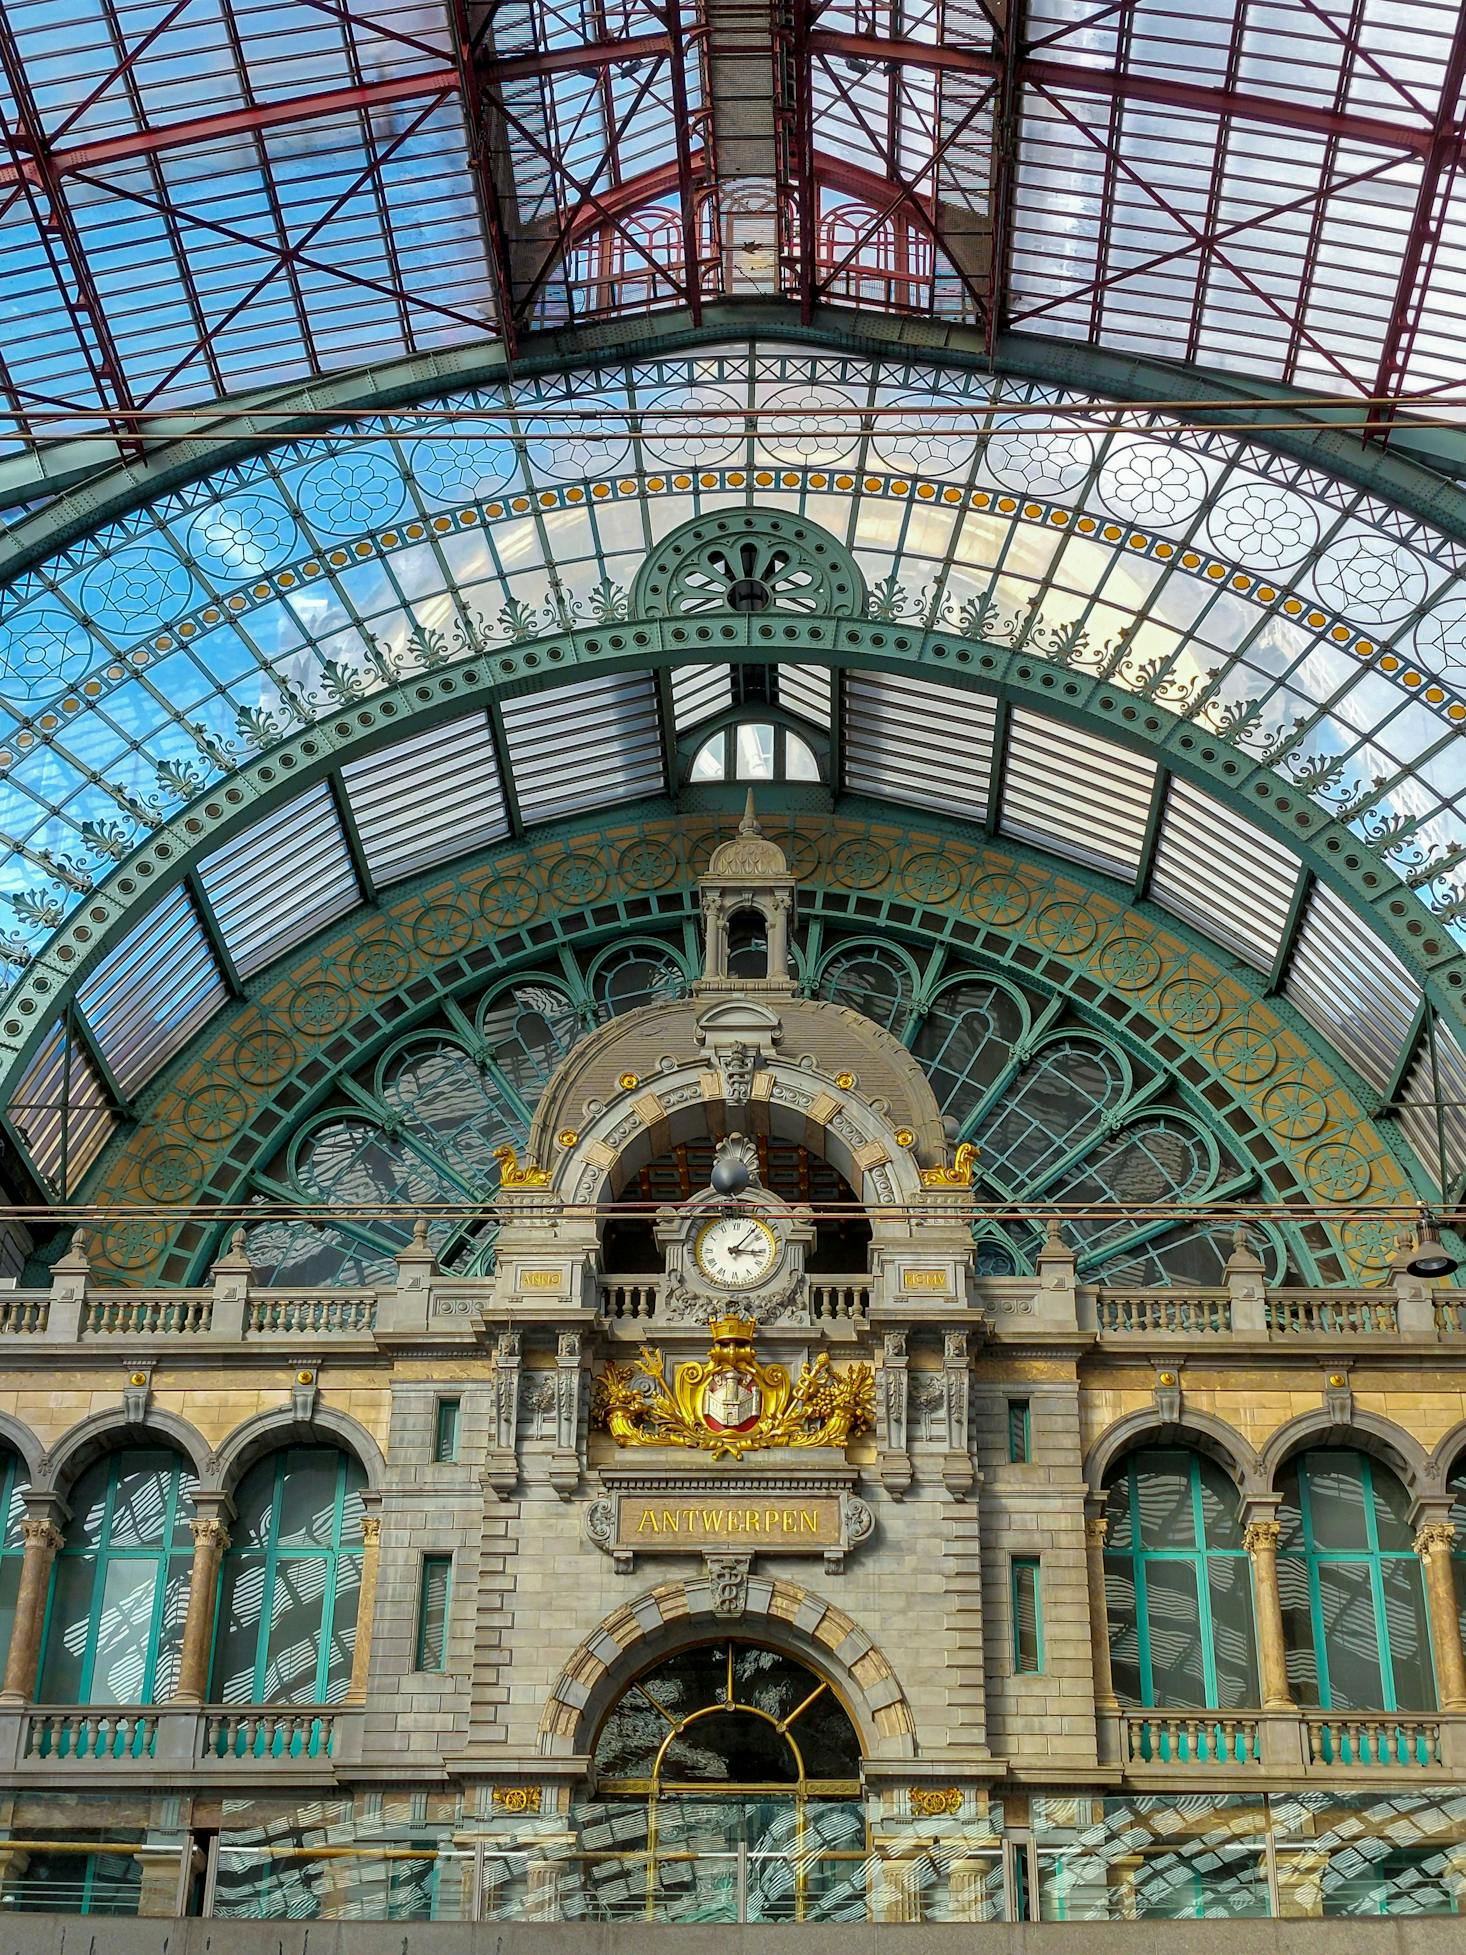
(749,560)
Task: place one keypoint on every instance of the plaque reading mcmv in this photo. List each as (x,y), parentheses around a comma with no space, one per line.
(768,1522)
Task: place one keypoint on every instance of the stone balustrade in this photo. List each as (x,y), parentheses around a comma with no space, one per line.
(236,1309)
(1329,1745)
(40,1743)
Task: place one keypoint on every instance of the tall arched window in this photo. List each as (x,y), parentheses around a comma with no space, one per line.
(1353,1602)
(1458,1546)
(291,1581)
(12,1548)
(731,1776)
(119,1589)
(1177,1585)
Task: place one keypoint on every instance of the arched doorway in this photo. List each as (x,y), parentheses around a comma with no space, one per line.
(728,1777)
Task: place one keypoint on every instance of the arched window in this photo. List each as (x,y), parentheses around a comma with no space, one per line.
(12,1548)
(964,1043)
(1056,1102)
(119,1589)
(755,751)
(1458,1545)
(635,975)
(1177,1585)
(1353,1603)
(870,980)
(732,1777)
(291,1580)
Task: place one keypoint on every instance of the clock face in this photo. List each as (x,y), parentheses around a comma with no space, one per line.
(735,1251)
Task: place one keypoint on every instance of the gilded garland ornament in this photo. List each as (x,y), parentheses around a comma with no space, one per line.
(729,1404)
(512,1175)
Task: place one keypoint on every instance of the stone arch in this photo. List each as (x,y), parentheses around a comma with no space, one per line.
(266,1432)
(17,1438)
(106,1432)
(777,1612)
(1366,1431)
(1198,1430)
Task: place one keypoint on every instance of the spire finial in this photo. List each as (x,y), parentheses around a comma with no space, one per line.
(749,824)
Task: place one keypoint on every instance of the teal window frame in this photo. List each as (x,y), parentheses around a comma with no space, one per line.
(13,1485)
(1373,1557)
(169,1557)
(447,1413)
(1139,1560)
(1021,1567)
(1020,1432)
(276,1556)
(431,1565)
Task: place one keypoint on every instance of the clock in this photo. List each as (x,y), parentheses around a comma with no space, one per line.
(735,1251)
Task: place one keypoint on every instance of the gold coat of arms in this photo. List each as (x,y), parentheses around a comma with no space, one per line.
(729,1404)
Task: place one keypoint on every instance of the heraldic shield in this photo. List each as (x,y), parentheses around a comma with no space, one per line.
(729,1403)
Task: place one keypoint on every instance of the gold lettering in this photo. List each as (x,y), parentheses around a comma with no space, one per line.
(669,1521)
(713,1520)
(923,1279)
(648,1523)
(786,1521)
(809,1521)
(539,1279)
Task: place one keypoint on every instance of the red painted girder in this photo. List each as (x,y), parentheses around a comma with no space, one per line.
(230,122)
(1155,89)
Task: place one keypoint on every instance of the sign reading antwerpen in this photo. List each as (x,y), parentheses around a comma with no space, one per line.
(756,1520)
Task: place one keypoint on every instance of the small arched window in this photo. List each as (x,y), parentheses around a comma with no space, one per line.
(119,1588)
(1353,1604)
(1177,1585)
(755,751)
(12,1548)
(291,1580)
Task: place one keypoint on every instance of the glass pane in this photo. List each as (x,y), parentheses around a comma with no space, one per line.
(1174,1627)
(1335,1490)
(733,1746)
(12,1500)
(9,1583)
(1391,1509)
(1056,1103)
(528,1031)
(1221,1517)
(708,763)
(827,1740)
(236,1643)
(1124,1629)
(1298,1641)
(140,1507)
(343,1628)
(799,762)
(1350,1636)
(292,1650)
(964,1043)
(1402,1580)
(309,1481)
(67,1628)
(1163,1482)
(874,982)
(1027,1627)
(755,753)
(1234,1644)
(124,1631)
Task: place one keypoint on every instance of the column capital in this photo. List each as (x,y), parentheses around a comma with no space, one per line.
(41,1533)
(209,1531)
(1261,1535)
(1096,1530)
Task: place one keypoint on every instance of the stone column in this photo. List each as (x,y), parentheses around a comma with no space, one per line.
(210,1539)
(1106,1703)
(361,1655)
(1261,1537)
(43,1538)
(1433,1545)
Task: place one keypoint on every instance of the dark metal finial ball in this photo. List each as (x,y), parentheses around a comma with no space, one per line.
(730,1175)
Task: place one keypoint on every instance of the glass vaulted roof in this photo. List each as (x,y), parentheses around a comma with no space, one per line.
(1277,608)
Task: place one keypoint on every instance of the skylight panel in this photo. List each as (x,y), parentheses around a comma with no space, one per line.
(147,998)
(925,744)
(427,799)
(281,881)
(1418,1108)
(1222,874)
(699,691)
(806,689)
(585,746)
(1351,987)
(1080,796)
(62,1144)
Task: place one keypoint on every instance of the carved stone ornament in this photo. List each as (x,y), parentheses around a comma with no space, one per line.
(729,1404)
(517,1798)
(679,1305)
(859,1520)
(728,1574)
